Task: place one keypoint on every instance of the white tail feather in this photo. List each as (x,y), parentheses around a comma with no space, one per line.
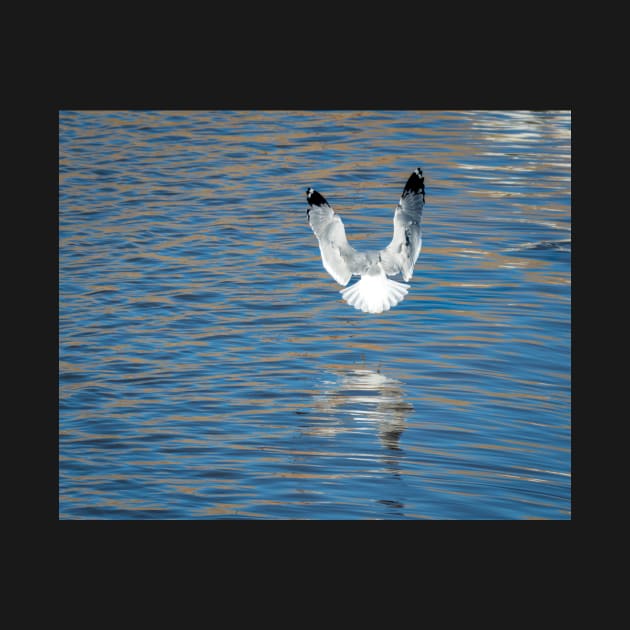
(374,294)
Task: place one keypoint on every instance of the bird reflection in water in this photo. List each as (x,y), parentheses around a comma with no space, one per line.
(370,399)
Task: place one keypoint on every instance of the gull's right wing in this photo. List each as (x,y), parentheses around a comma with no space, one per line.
(401,254)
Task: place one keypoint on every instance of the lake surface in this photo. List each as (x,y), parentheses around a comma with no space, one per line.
(208,367)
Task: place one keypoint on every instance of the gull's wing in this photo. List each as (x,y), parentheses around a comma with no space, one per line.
(401,254)
(340,260)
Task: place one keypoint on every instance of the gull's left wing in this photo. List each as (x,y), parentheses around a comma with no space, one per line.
(340,259)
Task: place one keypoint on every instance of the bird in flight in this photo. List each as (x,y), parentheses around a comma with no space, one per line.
(376,291)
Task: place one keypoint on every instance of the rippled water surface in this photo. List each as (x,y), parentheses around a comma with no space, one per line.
(208,367)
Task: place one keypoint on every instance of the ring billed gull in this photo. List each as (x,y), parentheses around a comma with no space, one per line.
(375,292)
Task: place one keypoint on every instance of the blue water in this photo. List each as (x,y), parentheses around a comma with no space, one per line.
(209,369)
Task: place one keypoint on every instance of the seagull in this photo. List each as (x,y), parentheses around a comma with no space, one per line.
(375,292)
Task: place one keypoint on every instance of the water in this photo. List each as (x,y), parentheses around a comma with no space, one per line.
(208,367)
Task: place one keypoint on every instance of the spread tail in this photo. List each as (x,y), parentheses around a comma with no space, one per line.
(374,294)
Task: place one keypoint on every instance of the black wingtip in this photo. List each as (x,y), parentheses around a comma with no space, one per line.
(314,198)
(415,184)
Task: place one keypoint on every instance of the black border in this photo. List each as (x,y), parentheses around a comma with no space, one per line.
(495,76)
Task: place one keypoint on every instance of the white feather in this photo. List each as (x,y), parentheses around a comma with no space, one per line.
(375,293)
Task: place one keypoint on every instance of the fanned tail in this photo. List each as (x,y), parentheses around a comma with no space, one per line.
(375,293)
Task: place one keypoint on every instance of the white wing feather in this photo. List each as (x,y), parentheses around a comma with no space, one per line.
(340,259)
(401,254)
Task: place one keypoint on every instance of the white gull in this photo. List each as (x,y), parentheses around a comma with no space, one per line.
(375,292)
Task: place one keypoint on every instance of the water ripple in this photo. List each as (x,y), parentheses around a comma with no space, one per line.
(209,369)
